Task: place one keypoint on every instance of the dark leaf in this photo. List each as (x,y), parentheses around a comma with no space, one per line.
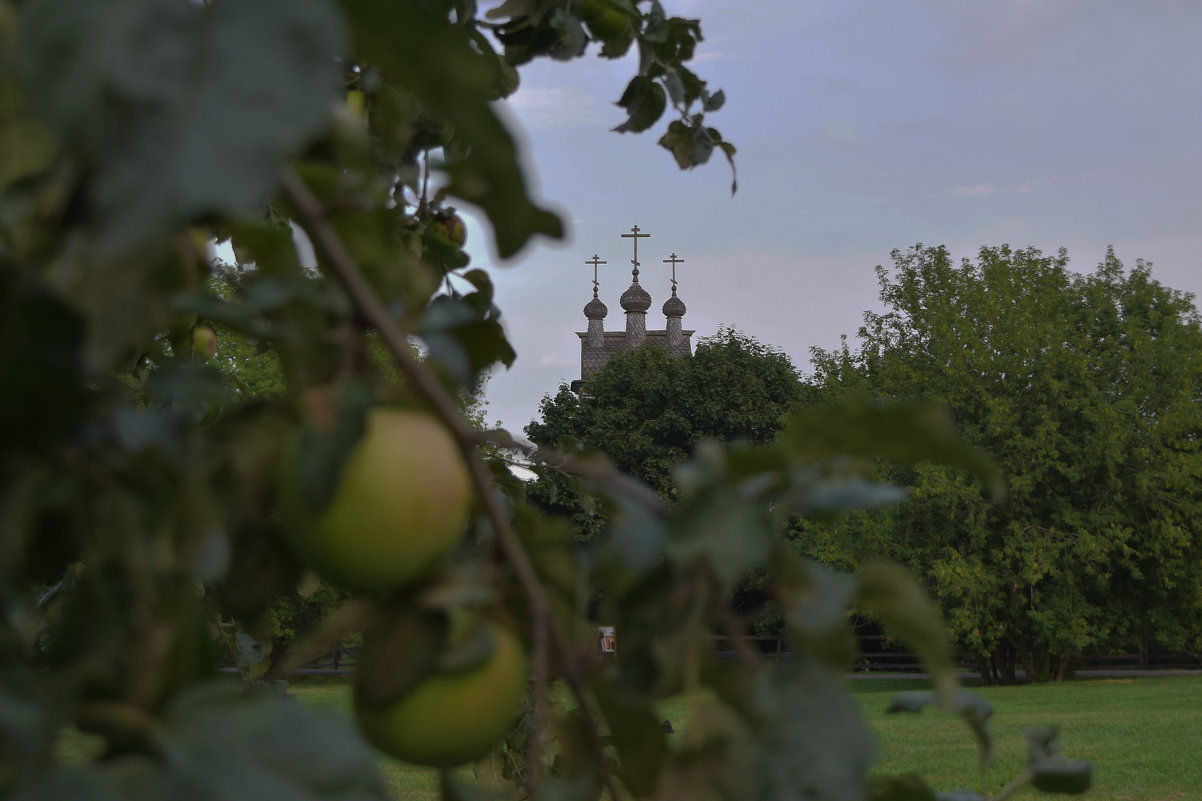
(41,365)
(911,701)
(188,389)
(180,110)
(249,651)
(404,39)
(679,142)
(905,433)
(1050,771)
(398,652)
(974,709)
(571,36)
(244,743)
(644,101)
(638,735)
(470,649)
(315,461)
(733,536)
(1060,775)
(797,760)
(457,788)
(635,537)
(829,494)
(553,789)
(464,339)
(78,783)
(891,593)
(907,787)
(27,147)
(822,602)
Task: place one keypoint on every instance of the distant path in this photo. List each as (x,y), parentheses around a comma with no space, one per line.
(1102,673)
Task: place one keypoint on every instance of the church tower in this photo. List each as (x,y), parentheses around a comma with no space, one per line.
(597,345)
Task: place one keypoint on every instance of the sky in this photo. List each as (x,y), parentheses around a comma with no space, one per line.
(861,127)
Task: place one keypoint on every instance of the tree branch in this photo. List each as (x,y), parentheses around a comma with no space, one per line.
(594,470)
(445,406)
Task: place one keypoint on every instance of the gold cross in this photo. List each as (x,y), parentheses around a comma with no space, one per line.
(674,261)
(636,236)
(595,261)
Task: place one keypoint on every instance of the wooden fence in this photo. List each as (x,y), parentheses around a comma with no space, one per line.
(877,654)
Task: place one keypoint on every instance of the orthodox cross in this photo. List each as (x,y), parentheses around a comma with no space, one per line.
(636,236)
(595,261)
(674,261)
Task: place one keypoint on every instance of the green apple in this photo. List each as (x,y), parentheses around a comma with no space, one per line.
(401,503)
(204,342)
(603,21)
(451,717)
(450,226)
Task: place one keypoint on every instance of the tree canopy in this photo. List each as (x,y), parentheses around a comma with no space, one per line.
(647,411)
(1085,388)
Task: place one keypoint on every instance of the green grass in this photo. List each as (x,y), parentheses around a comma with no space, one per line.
(1143,735)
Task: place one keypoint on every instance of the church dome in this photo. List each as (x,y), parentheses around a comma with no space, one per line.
(674,307)
(595,309)
(636,299)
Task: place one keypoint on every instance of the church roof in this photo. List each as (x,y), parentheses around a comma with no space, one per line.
(635,298)
(595,309)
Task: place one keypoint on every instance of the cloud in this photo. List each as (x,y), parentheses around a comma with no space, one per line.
(557,107)
(842,135)
(559,359)
(975,190)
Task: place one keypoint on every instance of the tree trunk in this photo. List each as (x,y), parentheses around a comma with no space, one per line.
(985,667)
(1005,664)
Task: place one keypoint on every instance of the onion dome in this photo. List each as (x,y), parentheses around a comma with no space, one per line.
(635,298)
(595,309)
(674,307)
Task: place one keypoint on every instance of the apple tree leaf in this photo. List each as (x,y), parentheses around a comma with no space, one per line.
(242,742)
(179,110)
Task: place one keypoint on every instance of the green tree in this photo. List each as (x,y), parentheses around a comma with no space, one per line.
(1085,390)
(647,411)
(131,527)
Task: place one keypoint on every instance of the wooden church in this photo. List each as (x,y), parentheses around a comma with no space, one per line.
(597,345)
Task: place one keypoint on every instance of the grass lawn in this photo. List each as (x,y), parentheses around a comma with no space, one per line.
(1143,735)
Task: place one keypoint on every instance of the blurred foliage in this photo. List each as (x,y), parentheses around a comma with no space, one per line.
(646,412)
(139,468)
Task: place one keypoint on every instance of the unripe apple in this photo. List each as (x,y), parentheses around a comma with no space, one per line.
(401,503)
(450,717)
(452,227)
(204,342)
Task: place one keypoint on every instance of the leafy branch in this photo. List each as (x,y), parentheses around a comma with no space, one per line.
(544,627)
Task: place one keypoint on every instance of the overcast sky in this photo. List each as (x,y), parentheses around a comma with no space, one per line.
(861,127)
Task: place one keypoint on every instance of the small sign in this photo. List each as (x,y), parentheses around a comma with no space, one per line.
(608,641)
